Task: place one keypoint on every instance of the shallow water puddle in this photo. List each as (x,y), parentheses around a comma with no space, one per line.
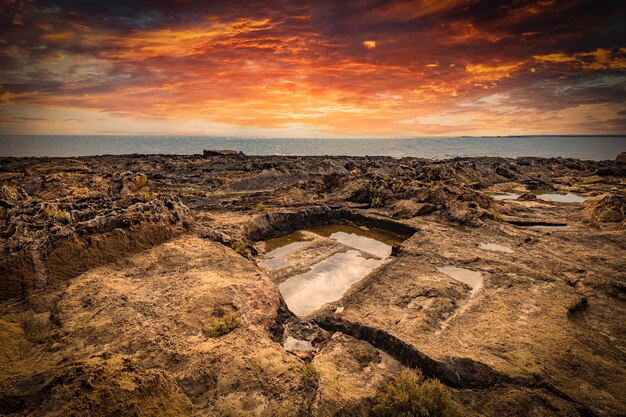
(368,240)
(494,247)
(548,226)
(472,278)
(363,243)
(562,198)
(277,258)
(509,196)
(284,240)
(328,280)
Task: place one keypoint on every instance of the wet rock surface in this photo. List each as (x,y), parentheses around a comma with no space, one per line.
(116,271)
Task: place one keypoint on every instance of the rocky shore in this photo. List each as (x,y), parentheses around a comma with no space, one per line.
(119,273)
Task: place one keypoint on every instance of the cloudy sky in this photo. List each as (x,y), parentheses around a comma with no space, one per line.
(318,68)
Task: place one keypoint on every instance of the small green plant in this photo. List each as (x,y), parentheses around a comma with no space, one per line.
(240,247)
(148,196)
(434,168)
(495,213)
(225,325)
(397,186)
(34,329)
(376,202)
(310,376)
(386,178)
(410,395)
(55,213)
(125,199)
(261,207)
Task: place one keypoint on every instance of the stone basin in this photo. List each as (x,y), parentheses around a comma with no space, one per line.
(352,253)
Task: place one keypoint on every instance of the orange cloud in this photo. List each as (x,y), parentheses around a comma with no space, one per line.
(601,58)
(369,44)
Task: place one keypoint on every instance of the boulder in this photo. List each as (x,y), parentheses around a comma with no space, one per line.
(407,209)
(610,208)
(222,152)
(527,197)
(11,195)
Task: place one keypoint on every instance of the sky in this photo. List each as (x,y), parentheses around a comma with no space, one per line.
(323,68)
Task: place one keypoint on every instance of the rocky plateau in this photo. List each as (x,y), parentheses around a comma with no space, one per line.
(115,270)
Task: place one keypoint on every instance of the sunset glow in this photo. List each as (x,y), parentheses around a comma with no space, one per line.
(357,68)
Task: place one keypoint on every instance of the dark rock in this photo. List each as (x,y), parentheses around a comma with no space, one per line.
(331,181)
(407,209)
(395,249)
(527,197)
(222,152)
(535,184)
(505,172)
(579,306)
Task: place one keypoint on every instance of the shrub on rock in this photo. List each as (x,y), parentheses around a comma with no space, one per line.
(409,394)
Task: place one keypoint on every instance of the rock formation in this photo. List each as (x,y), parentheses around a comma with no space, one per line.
(131,285)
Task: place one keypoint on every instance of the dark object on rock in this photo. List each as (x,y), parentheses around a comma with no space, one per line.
(223,152)
(527,197)
(621,158)
(395,249)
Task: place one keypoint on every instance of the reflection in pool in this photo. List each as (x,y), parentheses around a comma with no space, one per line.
(562,198)
(510,196)
(363,243)
(277,258)
(326,281)
(494,247)
(472,278)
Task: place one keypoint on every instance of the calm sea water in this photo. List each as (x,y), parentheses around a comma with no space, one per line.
(582,147)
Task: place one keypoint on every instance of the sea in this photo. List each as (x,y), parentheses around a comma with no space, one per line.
(580,147)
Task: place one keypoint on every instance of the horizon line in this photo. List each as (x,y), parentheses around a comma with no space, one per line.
(316,137)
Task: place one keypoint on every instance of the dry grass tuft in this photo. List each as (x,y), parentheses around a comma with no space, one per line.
(34,329)
(376,202)
(225,325)
(148,196)
(310,376)
(410,395)
(240,247)
(56,213)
